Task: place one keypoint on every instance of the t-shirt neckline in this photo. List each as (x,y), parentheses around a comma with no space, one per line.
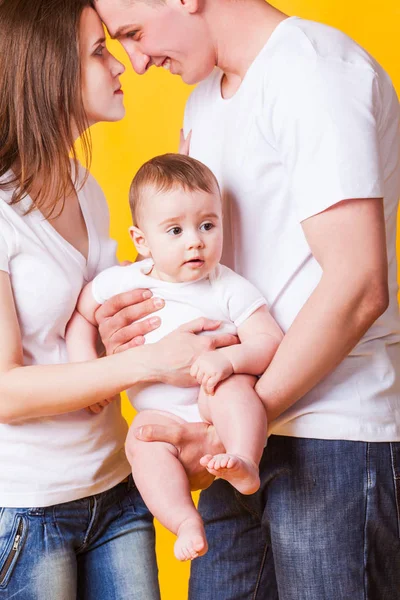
(253,64)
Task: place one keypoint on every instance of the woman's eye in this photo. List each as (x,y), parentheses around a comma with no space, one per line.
(175,231)
(99,51)
(206,226)
(131,35)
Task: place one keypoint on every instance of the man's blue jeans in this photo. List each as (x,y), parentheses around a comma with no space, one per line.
(96,548)
(324,526)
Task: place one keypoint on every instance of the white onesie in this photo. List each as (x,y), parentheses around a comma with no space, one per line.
(223,296)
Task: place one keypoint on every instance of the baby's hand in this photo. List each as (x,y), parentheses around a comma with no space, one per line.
(211,368)
(98,407)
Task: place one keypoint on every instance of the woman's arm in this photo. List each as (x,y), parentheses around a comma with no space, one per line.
(45,390)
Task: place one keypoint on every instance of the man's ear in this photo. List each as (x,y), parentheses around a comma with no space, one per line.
(139,240)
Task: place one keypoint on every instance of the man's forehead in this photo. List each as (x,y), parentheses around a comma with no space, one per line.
(120,14)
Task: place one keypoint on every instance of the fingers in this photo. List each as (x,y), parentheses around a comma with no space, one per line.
(224,339)
(201,324)
(98,406)
(94,409)
(171,434)
(123,326)
(184,144)
(120,301)
(130,335)
(137,341)
(206,380)
(209,385)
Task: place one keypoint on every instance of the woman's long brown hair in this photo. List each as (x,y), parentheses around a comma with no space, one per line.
(40,99)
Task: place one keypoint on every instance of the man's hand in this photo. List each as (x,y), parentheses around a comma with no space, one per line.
(184,143)
(193,440)
(174,355)
(211,368)
(119,327)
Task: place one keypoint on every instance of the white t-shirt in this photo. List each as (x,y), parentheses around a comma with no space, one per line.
(61,458)
(223,296)
(315,121)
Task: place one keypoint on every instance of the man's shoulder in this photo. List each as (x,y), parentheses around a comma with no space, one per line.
(301,42)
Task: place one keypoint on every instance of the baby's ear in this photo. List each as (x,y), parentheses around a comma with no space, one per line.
(139,240)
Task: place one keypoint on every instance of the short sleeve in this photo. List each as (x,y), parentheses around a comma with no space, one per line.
(238,297)
(325,126)
(116,280)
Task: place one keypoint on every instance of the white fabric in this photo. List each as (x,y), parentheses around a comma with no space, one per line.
(314,122)
(56,459)
(223,296)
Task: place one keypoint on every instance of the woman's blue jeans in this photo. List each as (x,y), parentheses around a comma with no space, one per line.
(97,548)
(324,526)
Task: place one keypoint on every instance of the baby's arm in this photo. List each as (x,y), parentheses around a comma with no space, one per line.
(260,336)
(81,332)
(81,335)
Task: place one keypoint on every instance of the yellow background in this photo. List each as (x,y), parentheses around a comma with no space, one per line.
(155,104)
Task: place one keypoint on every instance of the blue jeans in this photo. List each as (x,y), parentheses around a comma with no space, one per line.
(324,526)
(97,548)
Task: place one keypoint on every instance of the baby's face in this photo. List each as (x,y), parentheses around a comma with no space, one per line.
(183,231)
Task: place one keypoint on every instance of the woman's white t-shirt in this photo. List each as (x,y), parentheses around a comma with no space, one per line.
(61,458)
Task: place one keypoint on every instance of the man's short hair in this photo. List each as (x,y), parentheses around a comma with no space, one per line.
(166,172)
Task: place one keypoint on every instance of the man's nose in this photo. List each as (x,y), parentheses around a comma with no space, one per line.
(139,61)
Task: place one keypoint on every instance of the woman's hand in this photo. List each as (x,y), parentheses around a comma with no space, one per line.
(119,327)
(174,355)
(193,440)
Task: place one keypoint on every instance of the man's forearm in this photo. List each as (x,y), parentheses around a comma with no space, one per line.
(324,332)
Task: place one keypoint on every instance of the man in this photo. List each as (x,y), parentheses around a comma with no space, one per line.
(300,125)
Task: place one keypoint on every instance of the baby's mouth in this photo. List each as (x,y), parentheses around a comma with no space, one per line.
(196,262)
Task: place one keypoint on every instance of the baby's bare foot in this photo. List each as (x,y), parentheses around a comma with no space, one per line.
(241,472)
(191,541)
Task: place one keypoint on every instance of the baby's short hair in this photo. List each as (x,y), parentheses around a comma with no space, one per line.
(166,172)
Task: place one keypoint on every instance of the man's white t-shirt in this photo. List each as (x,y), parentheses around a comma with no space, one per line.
(314,122)
(222,296)
(56,459)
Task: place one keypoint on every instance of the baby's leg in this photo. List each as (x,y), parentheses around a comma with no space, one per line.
(162,481)
(241,422)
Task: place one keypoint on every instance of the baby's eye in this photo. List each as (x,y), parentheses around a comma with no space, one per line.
(175,231)
(206,226)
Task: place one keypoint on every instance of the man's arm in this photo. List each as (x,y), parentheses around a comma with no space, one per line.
(348,241)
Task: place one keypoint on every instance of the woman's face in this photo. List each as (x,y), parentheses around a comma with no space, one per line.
(101,89)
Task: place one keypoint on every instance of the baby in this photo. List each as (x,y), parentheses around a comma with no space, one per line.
(177,213)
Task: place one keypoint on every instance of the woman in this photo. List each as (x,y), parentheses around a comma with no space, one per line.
(72,523)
